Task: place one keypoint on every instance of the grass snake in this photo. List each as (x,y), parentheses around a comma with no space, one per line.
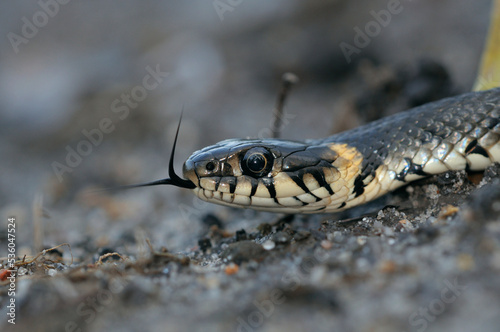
(349,168)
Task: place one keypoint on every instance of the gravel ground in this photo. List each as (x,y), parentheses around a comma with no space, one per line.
(424,258)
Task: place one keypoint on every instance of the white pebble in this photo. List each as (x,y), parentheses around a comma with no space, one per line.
(361,240)
(269,245)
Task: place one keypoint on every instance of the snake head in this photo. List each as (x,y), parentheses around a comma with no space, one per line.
(271,174)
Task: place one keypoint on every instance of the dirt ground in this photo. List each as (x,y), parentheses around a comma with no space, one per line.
(90,96)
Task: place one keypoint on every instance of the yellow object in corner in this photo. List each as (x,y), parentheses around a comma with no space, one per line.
(489,73)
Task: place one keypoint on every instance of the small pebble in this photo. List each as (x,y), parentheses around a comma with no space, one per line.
(448,211)
(4,274)
(338,236)
(231,269)
(406,224)
(22,271)
(282,237)
(241,235)
(269,245)
(327,245)
(204,244)
(361,240)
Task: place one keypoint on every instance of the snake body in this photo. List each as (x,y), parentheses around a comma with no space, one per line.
(352,167)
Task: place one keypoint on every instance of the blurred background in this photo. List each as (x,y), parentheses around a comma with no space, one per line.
(91,92)
(90,96)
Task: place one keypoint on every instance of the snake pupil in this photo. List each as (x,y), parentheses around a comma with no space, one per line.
(210,166)
(256,162)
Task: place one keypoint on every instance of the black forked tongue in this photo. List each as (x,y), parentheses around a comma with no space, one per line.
(174,179)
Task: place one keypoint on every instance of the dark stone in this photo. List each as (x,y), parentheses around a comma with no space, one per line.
(204,244)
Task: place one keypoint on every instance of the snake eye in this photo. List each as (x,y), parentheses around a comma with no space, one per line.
(210,166)
(257,162)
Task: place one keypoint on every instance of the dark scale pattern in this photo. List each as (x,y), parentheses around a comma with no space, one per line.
(472,114)
(320,178)
(359,187)
(268,182)
(298,177)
